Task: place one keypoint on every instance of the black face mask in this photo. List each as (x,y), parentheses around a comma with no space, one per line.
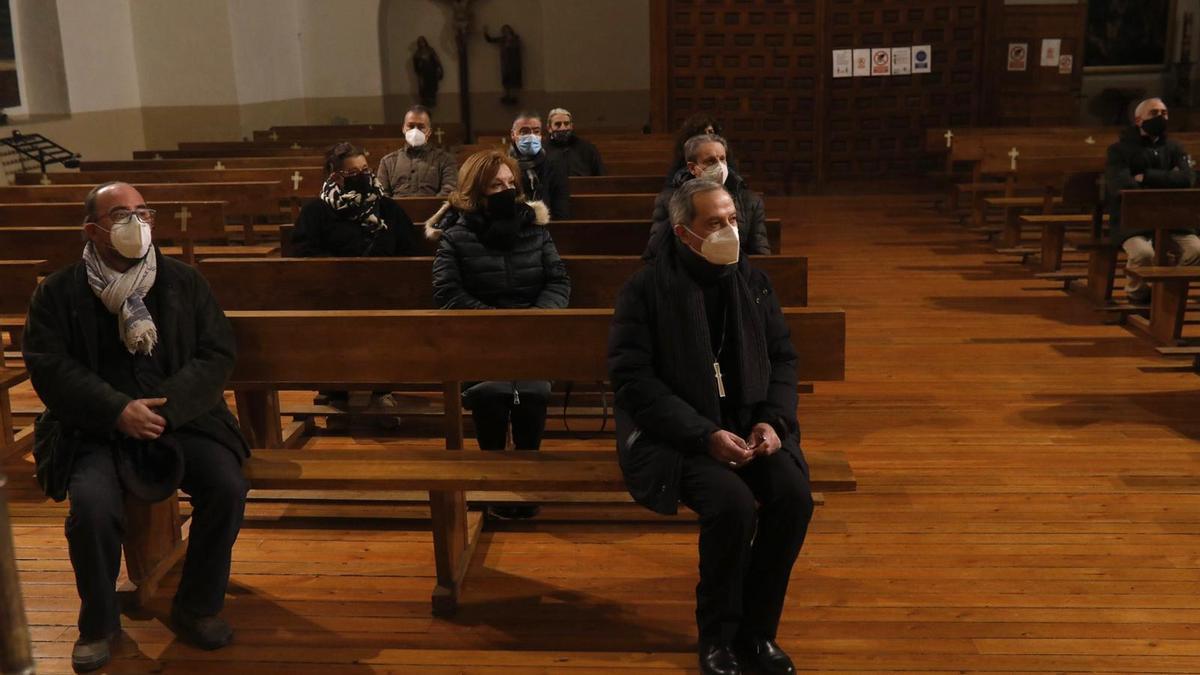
(502,204)
(1155,126)
(361,183)
(561,137)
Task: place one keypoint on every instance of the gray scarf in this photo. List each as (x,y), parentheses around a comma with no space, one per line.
(124,294)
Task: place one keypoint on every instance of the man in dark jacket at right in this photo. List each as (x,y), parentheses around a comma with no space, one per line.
(579,156)
(1146,158)
(704,372)
(543,178)
(706,158)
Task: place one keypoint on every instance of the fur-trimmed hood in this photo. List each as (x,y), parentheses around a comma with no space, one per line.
(447,216)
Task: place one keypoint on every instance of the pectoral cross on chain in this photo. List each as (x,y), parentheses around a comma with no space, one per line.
(720,379)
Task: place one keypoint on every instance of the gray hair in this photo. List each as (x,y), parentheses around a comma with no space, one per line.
(1141,106)
(419,110)
(89,202)
(683,206)
(691,149)
(526,115)
(560,111)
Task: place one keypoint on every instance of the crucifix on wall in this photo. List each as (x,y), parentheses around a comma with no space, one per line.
(462,27)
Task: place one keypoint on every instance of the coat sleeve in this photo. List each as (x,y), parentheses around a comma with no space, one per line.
(306,235)
(559,192)
(403,230)
(779,408)
(637,386)
(759,244)
(597,162)
(1179,177)
(72,391)
(199,385)
(384,175)
(449,172)
(556,294)
(448,291)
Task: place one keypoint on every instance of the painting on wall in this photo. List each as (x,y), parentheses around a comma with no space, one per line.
(1127,32)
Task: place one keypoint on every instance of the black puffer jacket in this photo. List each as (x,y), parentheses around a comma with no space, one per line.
(1162,163)
(467,274)
(320,233)
(752,217)
(659,409)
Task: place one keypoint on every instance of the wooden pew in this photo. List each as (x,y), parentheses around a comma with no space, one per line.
(352,283)
(591,185)
(578,237)
(292,180)
(202,163)
(1082,206)
(13,441)
(18,279)
(1168,301)
(570,344)
(1159,210)
(61,246)
(244,199)
(186,223)
(583,207)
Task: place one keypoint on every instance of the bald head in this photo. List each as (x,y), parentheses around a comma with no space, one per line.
(1151,107)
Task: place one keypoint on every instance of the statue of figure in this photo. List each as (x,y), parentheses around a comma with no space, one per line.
(429,72)
(510,61)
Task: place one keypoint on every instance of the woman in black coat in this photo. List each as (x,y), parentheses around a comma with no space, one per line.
(352,218)
(494,252)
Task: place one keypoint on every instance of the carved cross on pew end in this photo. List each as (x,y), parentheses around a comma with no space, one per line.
(294,145)
(219,166)
(949,136)
(440,134)
(296,178)
(45,180)
(182,216)
(274,136)
(1012,157)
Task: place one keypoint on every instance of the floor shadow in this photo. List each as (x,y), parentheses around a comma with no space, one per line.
(1081,347)
(1175,410)
(1062,309)
(998,272)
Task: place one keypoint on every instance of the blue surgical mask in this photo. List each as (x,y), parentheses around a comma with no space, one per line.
(529,144)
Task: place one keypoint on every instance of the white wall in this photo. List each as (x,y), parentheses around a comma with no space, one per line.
(98,52)
(339,48)
(37,42)
(184,52)
(265,36)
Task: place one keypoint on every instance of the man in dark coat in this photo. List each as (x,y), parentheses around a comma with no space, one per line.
(704,371)
(580,157)
(543,178)
(1145,158)
(706,158)
(128,348)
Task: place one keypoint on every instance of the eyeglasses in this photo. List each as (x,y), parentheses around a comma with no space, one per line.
(122,216)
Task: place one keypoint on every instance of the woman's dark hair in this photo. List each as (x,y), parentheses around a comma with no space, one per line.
(338,153)
(695,125)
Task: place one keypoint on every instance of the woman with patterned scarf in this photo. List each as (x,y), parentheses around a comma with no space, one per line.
(352,219)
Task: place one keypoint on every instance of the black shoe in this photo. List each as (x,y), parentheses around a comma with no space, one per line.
(718,659)
(89,655)
(515,511)
(766,655)
(205,632)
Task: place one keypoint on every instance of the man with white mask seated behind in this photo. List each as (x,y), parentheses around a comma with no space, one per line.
(706,158)
(418,168)
(130,353)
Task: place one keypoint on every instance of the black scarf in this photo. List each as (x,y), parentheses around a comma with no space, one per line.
(684,344)
(354,206)
(531,170)
(499,233)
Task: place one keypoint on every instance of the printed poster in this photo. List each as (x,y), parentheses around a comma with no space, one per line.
(1066,64)
(901,60)
(862,62)
(881,62)
(843,63)
(922,59)
(1051,50)
(1018,56)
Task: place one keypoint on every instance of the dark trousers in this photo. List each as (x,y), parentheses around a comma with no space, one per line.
(96,526)
(493,408)
(752,524)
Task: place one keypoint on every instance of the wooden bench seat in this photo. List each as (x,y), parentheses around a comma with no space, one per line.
(61,246)
(242,198)
(350,283)
(1168,300)
(12,441)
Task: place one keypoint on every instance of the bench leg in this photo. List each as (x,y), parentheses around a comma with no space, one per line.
(1168,304)
(1053,238)
(455,535)
(1012,228)
(1102,270)
(258,415)
(154,544)
(8,441)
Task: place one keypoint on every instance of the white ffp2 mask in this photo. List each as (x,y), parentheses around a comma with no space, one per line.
(415,138)
(131,238)
(722,247)
(717,173)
